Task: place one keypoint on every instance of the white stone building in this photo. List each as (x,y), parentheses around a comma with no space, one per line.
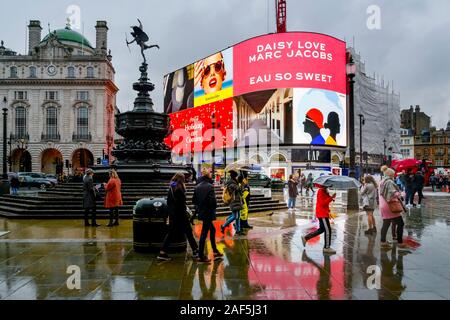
(61,100)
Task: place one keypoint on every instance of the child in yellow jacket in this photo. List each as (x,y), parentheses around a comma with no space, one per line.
(246,202)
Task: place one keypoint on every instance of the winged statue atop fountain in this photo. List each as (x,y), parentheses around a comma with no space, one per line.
(140,37)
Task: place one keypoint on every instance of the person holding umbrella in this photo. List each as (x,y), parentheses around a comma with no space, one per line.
(323,214)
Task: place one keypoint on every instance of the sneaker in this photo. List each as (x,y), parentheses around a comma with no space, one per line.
(329,250)
(304,241)
(418,206)
(203,260)
(385,244)
(240,233)
(163,257)
(218,255)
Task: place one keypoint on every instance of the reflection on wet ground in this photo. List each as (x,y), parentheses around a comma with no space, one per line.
(269,262)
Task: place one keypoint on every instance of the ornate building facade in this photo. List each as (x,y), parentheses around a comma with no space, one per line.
(61,100)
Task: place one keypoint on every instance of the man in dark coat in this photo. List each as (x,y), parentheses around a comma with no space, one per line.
(419,181)
(89,195)
(205,203)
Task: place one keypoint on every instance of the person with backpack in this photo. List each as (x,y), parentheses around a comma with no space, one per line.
(233,197)
(245,202)
(205,202)
(178,217)
(323,214)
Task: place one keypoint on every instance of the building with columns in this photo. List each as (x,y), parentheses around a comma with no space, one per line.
(61,100)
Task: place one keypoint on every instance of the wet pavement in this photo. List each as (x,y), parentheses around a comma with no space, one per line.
(269,262)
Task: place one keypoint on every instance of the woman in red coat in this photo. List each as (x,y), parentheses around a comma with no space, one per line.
(323,214)
(113,197)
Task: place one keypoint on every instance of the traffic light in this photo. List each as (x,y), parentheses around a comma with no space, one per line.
(99,160)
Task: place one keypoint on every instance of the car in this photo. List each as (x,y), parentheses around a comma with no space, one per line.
(29,182)
(257,179)
(40,175)
(277,184)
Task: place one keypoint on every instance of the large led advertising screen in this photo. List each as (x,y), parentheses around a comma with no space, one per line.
(284,88)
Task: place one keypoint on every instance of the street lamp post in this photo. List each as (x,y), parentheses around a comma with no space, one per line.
(5,182)
(213,152)
(352,195)
(362,121)
(351,72)
(10,153)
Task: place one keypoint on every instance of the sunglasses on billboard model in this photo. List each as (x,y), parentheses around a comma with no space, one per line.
(218,66)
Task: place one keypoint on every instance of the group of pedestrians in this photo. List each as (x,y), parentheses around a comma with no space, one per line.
(386,195)
(439,182)
(112,201)
(296,183)
(204,199)
(413,183)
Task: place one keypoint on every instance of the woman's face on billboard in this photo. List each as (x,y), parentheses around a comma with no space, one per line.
(213,73)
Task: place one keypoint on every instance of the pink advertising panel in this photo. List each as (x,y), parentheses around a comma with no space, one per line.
(289,60)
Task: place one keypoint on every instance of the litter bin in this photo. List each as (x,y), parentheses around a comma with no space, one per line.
(150,227)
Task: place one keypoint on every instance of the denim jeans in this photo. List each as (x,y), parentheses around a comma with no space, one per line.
(236,215)
(14,191)
(291,202)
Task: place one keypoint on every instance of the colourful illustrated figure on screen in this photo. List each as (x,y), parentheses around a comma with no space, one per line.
(335,127)
(312,124)
(211,73)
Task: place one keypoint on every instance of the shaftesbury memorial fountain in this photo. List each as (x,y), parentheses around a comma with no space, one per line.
(142,155)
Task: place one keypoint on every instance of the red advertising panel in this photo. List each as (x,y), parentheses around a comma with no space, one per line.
(192,129)
(289,60)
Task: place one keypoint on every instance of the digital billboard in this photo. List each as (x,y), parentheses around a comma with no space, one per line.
(286,87)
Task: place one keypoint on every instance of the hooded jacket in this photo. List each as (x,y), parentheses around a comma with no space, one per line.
(204,199)
(235,191)
(323,204)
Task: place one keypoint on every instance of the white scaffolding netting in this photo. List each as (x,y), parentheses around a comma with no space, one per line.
(381,109)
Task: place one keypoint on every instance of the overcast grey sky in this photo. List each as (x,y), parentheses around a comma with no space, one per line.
(412,48)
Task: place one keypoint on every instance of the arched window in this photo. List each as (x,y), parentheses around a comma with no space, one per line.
(52,122)
(32,72)
(90,72)
(21,122)
(82,121)
(71,72)
(13,72)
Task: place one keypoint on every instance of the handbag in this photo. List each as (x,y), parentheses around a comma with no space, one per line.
(395,205)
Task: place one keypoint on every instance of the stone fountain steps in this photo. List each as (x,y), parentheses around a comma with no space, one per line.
(65,201)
